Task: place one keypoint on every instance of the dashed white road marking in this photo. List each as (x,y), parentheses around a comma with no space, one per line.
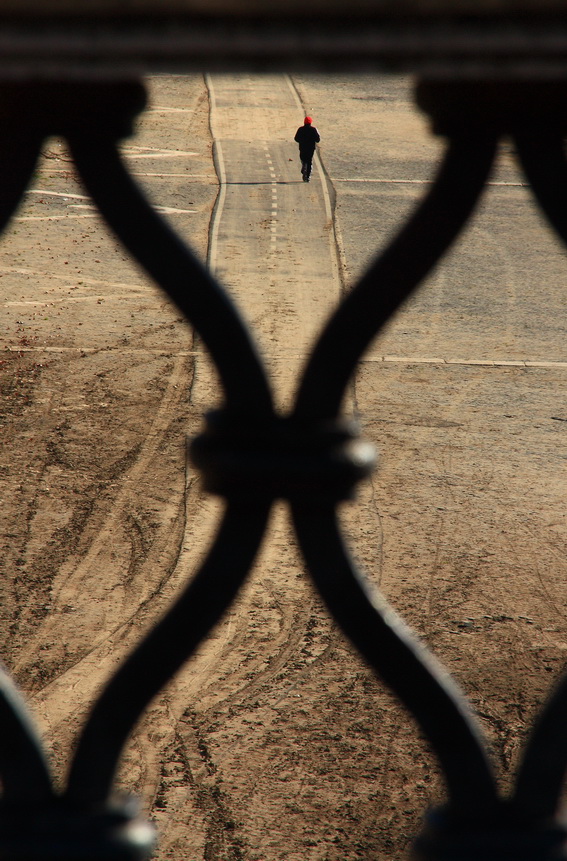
(273,237)
(274,189)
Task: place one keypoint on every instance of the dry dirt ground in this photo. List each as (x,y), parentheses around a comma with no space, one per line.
(276,741)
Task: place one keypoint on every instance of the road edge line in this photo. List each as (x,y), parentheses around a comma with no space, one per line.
(218,161)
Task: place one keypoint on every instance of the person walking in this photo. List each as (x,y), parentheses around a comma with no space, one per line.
(307,137)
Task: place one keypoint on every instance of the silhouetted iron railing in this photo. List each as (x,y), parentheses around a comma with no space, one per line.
(251,456)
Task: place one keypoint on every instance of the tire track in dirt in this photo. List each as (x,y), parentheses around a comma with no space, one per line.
(107,535)
(275,631)
(276,637)
(91,580)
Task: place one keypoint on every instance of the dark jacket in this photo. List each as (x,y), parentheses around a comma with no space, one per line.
(307,136)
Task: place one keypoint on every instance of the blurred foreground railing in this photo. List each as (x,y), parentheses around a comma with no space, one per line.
(493,69)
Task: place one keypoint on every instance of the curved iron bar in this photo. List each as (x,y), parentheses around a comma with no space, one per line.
(164,649)
(542,156)
(541,775)
(24,772)
(431,230)
(437,221)
(406,666)
(19,156)
(156,247)
(23,768)
(177,271)
(543,769)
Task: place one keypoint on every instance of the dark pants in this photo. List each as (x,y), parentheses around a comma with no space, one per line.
(306,157)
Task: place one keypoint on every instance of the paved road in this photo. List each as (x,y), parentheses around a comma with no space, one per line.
(272,240)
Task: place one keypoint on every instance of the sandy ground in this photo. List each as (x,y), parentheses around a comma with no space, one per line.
(276,741)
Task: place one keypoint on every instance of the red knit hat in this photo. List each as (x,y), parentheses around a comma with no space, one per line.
(307,121)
